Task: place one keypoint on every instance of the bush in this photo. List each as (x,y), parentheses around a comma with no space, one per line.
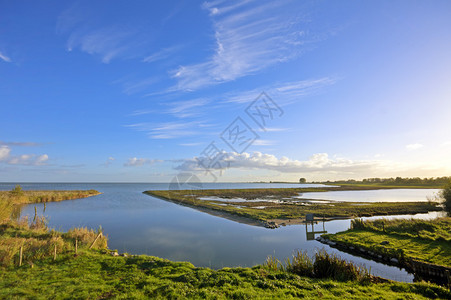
(446,195)
(17,191)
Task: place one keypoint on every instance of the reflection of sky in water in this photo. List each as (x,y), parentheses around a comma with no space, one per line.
(396,195)
(140,224)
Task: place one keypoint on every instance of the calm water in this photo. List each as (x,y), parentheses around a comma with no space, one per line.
(141,224)
(390,195)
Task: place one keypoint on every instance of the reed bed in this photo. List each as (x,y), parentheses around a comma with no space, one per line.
(322,265)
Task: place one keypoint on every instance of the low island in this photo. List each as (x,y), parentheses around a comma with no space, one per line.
(271,207)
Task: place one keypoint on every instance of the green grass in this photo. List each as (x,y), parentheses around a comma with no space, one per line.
(428,241)
(18,196)
(94,275)
(288,209)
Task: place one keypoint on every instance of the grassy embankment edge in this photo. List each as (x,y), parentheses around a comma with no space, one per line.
(96,274)
(287,213)
(421,246)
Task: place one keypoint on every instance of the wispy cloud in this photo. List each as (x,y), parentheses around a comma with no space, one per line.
(412,147)
(86,34)
(191,144)
(108,43)
(248,38)
(137,162)
(20,144)
(132,87)
(170,130)
(187,108)
(4,57)
(161,54)
(283,93)
(259,142)
(109,161)
(273,129)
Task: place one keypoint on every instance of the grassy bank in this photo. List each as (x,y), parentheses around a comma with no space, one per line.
(427,241)
(10,200)
(35,238)
(278,204)
(95,275)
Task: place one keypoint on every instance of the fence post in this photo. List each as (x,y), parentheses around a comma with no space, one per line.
(20,255)
(54,253)
(95,240)
(76,245)
(449,279)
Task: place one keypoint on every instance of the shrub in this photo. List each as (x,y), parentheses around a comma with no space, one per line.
(446,195)
(17,191)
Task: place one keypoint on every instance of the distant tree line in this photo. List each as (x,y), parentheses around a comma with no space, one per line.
(399,181)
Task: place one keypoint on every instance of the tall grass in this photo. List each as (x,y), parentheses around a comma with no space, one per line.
(435,230)
(38,241)
(323,265)
(35,238)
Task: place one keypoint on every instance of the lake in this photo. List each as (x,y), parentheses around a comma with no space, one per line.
(141,224)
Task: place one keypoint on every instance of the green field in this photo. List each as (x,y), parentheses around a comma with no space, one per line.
(94,275)
(428,241)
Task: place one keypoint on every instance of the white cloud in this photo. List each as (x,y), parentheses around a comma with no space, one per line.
(24,159)
(41,159)
(137,162)
(248,39)
(4,152)
(412,147)
(320,162)
(4,57)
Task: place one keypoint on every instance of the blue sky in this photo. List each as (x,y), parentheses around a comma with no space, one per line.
(142,91)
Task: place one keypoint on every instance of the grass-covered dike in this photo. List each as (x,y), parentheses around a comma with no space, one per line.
(422,240)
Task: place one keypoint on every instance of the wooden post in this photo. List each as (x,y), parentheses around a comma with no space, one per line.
(20,255)
(449,279)
(54,253)
(95,240)
(35,214)
(76,245)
